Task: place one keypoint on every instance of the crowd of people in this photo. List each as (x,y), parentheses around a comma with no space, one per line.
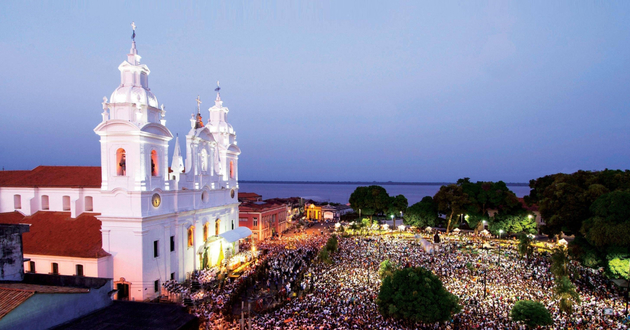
(342,294)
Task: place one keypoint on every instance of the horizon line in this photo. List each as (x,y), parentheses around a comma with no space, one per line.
(521,184)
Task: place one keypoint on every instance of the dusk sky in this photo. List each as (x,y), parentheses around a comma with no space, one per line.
(331,90)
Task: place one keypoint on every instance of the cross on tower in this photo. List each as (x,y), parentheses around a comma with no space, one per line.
(133,26)
(198,103)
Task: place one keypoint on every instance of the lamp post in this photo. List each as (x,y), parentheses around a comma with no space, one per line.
(500,232)
(394,221)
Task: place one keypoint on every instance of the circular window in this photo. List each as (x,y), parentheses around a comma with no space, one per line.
(205,196)
(232,193)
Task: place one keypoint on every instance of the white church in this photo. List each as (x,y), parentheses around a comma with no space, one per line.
(133,219)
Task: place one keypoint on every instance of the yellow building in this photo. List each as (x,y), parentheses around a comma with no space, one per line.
(313,212)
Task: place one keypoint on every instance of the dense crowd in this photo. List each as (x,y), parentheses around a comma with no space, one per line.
(343,295)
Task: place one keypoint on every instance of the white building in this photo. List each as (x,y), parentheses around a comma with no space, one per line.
(156,222)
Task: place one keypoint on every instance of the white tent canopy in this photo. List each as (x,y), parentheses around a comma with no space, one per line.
(236,234)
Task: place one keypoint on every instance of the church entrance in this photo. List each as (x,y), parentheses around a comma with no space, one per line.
(123,291)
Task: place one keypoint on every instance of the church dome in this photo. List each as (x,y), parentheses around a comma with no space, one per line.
(225,127)
(130,94)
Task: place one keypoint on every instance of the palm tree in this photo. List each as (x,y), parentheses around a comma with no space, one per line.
(565,292)
(525,247)
(560,262)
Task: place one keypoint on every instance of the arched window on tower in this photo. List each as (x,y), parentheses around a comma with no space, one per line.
(231,169)
(154,163)
(121,162)
(217,224)
(191,236)
(205,231)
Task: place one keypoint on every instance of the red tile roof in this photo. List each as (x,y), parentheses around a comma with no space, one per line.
(53,176)
(57,234)
(40,288)
(12,298)
(259,206)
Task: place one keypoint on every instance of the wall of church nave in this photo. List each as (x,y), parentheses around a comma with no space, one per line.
(92,267)
(192,255)
(31,200)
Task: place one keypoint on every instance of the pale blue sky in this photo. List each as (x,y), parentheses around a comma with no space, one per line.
(318,90)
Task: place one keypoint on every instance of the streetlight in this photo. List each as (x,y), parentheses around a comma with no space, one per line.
(393,220)
(500,232)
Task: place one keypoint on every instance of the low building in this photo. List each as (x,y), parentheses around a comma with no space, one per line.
(263,218)
(42,301)
(295,206)
(59,244)
(325,212)
(313,211)
(249,197)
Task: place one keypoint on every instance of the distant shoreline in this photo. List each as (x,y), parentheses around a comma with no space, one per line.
(514,184)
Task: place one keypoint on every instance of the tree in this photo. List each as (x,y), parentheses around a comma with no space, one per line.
(619,267)
(519,223)
(532,313)
(564,200)
(451,200)
(565,292)
(525,245)
(386,268)
(370,200)
(610,221)
(324,256)
(559,262)
(487,195)
(422,214)
(398,205)
(417,295)
(331,244)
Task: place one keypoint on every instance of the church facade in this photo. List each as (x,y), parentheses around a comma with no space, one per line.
(156,222)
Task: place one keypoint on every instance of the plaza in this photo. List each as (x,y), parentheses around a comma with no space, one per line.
(312,294)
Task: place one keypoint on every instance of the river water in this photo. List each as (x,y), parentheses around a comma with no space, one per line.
(340,192)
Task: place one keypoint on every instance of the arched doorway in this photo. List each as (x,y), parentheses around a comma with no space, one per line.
(123,289)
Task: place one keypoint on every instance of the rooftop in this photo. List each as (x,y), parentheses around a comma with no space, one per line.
(259,206)
(136,315)
(53,177)
(57,234)
(13,294)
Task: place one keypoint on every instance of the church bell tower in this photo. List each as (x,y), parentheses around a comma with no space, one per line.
(134,138)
